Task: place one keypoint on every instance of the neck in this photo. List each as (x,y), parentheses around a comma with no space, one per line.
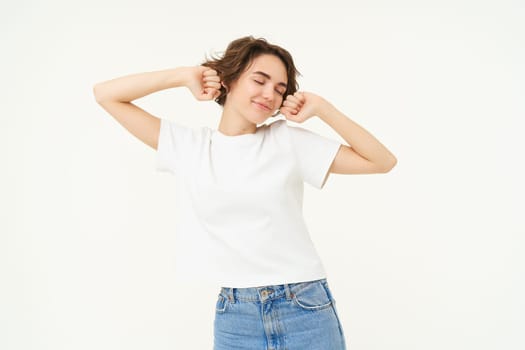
(234,124)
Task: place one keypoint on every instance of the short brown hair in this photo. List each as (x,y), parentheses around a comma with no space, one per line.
(240,53)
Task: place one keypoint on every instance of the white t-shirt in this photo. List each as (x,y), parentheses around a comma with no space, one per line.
(238,215)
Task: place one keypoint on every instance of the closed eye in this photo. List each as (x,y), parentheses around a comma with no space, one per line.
(262,83)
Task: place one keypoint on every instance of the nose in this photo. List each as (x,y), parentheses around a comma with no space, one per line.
(268,92)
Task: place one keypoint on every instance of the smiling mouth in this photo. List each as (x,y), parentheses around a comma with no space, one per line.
(261,106)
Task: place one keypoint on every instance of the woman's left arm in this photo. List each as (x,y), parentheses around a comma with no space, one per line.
(364,155)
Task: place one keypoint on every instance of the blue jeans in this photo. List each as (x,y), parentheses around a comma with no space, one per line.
(294,316)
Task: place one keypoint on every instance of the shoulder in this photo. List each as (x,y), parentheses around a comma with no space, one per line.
(277,123)
(277,126)
(184,133)
(283,124)
(291,132)
(279,129)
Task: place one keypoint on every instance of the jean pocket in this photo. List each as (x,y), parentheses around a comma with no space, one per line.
(222,303)
(313,297)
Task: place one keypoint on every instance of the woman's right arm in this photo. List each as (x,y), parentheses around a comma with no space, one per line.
(115,96)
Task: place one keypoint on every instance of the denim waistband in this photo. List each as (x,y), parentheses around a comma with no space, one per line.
(265,293)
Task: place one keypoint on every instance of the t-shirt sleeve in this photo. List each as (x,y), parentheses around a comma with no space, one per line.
(314,154)
(172,137)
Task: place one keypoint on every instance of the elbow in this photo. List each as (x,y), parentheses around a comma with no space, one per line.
(389,164)
(96,93)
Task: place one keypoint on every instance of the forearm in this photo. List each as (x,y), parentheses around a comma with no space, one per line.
(356,136)
(132,87)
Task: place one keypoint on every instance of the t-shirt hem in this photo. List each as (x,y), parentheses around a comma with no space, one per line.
(231,283)
(331,154)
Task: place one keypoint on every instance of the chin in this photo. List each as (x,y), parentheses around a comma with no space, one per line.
(263,120)
(258,119)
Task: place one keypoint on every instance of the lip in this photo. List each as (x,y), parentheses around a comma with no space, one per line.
(261,105)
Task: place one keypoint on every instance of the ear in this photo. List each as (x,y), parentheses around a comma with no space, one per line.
(225,87)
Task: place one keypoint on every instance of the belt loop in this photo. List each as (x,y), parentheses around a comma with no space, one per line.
(231,296)
(287,291)
(324,283)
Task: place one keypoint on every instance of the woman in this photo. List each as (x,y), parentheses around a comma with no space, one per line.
(241,188)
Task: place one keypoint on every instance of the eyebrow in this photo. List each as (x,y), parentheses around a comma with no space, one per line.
(266,75)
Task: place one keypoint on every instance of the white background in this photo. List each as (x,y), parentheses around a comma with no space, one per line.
(428,256)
